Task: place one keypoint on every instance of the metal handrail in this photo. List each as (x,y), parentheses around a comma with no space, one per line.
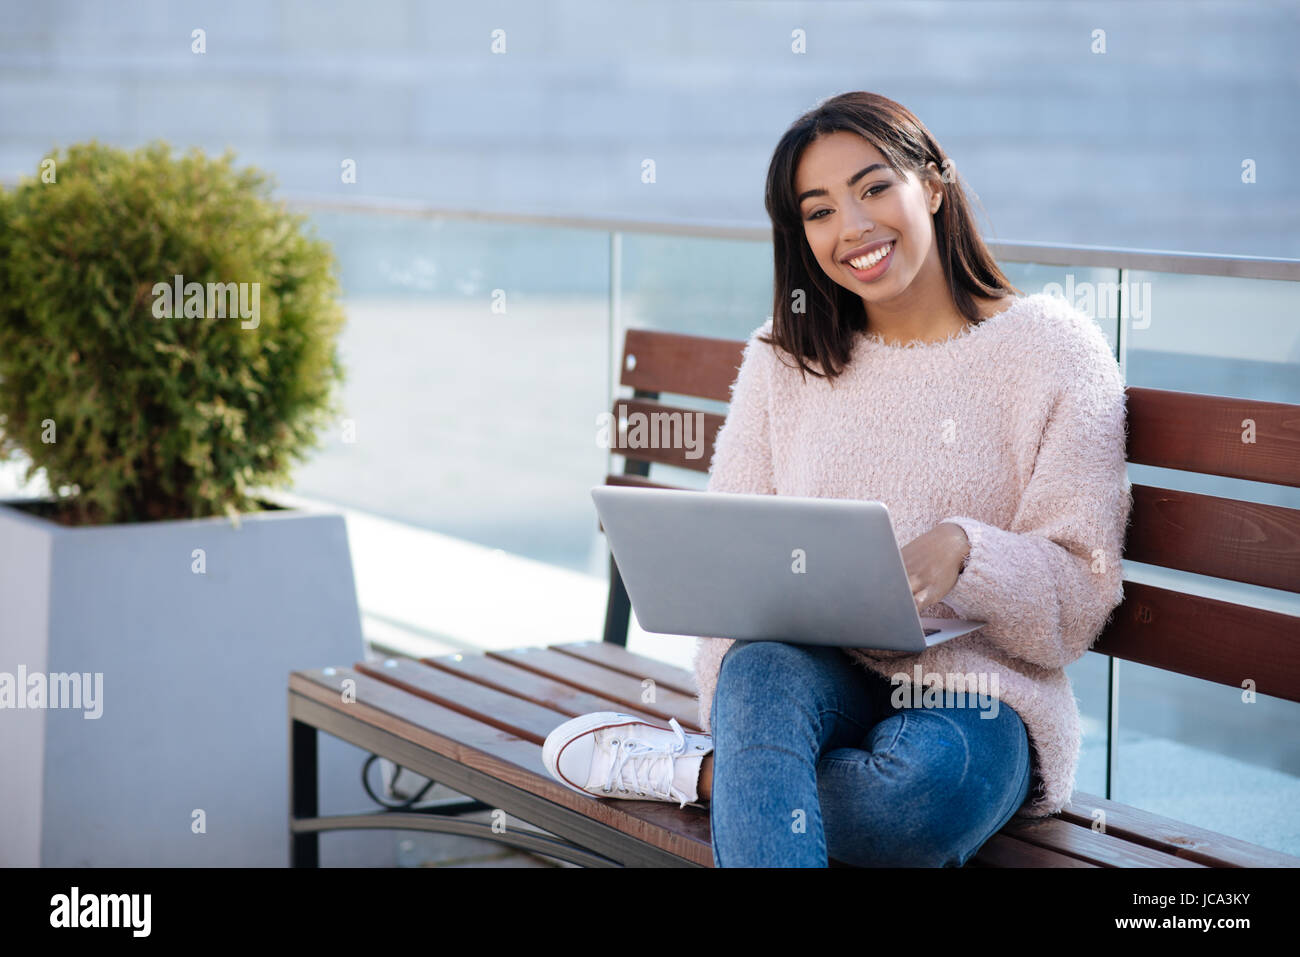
(1048,254)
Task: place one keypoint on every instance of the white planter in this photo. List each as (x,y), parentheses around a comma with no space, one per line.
(195,672)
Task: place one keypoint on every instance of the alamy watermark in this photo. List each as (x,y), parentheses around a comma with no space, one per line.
(58,689)
(190,300)
(952,690)
(75,909)
(652,430)
(1106,300)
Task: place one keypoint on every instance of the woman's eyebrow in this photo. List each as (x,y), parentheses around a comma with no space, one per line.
(849,182)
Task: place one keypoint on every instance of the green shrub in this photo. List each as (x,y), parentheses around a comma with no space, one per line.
(157,418)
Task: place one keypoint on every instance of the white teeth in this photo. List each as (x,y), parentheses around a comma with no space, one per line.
(871,258)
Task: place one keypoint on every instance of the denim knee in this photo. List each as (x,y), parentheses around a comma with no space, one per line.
(925,806)
(775,663)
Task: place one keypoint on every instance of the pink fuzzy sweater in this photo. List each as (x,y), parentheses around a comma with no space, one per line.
(1013,429)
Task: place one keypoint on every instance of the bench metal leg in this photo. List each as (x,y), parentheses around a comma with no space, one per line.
(442,824)
(1112,727)
(304,845)
(618,610)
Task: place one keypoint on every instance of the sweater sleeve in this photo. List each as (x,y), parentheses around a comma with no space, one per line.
(742,451)
(1047,585)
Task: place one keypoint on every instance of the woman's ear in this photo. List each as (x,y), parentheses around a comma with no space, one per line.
(934,191)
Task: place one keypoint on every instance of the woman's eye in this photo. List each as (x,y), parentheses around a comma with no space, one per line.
(871,192)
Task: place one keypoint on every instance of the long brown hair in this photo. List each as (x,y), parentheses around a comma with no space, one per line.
(834,314)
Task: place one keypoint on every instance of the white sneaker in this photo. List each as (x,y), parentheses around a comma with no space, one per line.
(615,755)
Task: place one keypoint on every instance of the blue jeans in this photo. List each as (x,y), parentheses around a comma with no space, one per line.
(812,759)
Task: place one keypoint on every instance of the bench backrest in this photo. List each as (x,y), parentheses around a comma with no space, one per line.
(1225,538)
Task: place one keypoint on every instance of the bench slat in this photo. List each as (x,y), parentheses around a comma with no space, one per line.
(1191,432)
(1169,429)
(674,450)
(430,725)
(636,481)
(618,658)
(601,680)
(1205,638)
(1106,850)
(1203,433)
(533,687)
(1173,837)
(1002,850)
(1221,537)
(518,716)
(699,366)
(683,832)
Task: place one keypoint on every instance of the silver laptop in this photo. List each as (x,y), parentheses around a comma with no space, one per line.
(817,571)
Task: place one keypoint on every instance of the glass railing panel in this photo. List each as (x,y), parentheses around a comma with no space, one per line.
(476,356)
(1088,289)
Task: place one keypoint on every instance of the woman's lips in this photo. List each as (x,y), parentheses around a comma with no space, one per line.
(876,271)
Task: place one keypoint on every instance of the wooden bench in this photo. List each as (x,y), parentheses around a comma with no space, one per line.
(476,722)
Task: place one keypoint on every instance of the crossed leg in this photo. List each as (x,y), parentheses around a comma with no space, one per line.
(811,760)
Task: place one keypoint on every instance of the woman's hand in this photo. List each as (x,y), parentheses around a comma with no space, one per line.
(933,561)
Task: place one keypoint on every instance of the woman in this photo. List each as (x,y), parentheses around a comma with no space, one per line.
(992,427)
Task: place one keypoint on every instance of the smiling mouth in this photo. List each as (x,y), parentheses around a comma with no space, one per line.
(866,261)
(879,265)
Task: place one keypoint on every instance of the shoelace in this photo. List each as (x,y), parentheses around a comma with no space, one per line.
(648,767)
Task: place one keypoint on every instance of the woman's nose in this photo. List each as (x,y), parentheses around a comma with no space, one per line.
(857,225)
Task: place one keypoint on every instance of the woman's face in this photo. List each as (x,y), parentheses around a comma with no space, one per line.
(850,199)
